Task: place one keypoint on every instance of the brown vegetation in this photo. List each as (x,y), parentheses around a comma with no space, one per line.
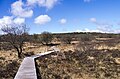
(89,56)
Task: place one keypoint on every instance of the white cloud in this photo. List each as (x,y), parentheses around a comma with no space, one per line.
(18,9)
(31,2)
(88,30)
(93,20)
(117,31)
(49,3)
(21,9)
(19,20)
(118,23)
(63,21)
(42,19)
(43,3)
(83,30)
(104,27)
(8,20)
(99,31)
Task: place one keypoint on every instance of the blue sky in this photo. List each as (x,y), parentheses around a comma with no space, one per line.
(62,15)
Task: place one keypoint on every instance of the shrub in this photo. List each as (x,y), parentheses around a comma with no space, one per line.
(46,38)
(86,38)
(66,39)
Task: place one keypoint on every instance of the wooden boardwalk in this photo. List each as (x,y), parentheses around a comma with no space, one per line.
(27,69)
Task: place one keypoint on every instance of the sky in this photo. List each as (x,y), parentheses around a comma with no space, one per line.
(60,16)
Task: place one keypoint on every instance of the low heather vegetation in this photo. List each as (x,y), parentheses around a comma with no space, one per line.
(81,56)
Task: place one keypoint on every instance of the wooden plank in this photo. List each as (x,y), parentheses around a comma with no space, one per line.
(27,69)
(41,54)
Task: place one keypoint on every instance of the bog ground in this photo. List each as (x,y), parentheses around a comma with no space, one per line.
(96,58)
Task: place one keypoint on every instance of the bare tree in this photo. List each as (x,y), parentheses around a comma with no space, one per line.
(16,35)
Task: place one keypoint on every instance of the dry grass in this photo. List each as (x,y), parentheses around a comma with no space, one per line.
(96,59)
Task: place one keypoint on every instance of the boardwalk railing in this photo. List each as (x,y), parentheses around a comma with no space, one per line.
(27,69)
